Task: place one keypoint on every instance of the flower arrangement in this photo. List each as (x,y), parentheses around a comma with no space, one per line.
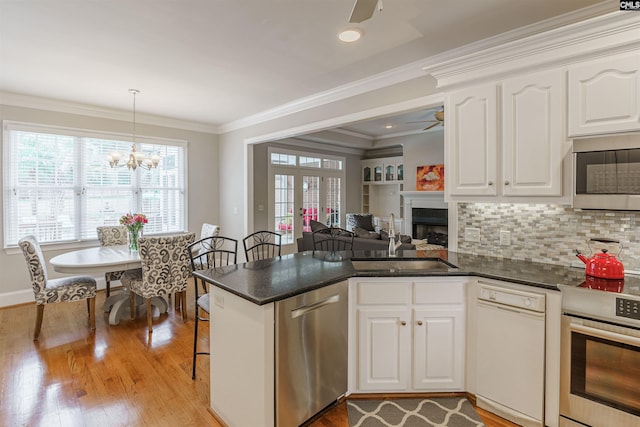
(134,224)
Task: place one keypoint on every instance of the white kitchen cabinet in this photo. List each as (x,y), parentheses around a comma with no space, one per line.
(386,335)
(526,157)
(604,95)
(410,334)
(472,141)
(533,143)
(437,348)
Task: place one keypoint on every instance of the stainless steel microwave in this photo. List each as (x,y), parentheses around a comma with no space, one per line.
(607,172)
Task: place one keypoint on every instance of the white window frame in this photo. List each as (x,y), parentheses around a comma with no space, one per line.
(136,186)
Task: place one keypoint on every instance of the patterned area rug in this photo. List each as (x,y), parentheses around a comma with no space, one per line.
(437,411)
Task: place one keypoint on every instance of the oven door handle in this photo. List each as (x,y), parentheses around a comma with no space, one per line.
(608,335)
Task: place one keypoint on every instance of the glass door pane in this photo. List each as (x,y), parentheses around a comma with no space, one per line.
(332,205)
(283,207)
(310,201)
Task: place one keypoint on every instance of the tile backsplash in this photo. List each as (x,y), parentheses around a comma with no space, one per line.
(547,233)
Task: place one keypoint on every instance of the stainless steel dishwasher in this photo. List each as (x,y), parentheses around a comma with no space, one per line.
(311,353)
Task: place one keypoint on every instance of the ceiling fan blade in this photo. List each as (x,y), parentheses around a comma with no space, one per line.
(424,121)
(433,125)
(362,10)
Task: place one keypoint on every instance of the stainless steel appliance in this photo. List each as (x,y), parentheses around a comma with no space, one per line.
(511,353)
(607,172)
(311,353)
(600,354)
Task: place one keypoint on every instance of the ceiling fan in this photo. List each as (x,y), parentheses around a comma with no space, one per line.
(439,120)
(363,10)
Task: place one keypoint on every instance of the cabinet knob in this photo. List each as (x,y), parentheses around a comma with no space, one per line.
(419,322)
(506,183)
(403,323)
(490,183)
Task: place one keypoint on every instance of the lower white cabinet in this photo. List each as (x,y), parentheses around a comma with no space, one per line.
(410,334)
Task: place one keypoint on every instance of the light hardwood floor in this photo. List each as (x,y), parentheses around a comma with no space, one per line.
(116,376)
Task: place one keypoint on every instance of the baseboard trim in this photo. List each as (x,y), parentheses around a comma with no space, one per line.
(25,296)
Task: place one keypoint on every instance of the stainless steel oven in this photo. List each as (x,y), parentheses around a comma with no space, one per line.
(600,357)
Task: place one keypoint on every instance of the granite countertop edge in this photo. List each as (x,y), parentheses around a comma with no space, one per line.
(263,282)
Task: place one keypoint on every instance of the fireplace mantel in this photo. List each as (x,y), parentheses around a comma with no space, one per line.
(423,199)
(420,199)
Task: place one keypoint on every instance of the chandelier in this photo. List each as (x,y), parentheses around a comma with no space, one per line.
(136,158)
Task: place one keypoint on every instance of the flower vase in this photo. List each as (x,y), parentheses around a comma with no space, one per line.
(134,235)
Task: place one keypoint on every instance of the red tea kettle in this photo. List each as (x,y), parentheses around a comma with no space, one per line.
(603,264)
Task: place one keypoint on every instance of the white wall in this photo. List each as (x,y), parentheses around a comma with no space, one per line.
(236,172)
(203,186)
(420,150)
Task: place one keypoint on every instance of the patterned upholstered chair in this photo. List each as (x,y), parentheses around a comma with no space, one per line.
(262,245)
(210,252)
(203,244)
(166,269)
(112,236)
(209,230)
(48,291)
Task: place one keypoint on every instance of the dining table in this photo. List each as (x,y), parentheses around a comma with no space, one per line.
(104,259)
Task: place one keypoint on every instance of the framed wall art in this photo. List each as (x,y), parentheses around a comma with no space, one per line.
(430,178)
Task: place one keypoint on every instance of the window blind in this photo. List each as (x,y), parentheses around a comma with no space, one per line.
(59,186)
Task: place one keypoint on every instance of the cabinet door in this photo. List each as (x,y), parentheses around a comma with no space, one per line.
(438,348)
(533,135)
(384,339)
(604,96)
(471,138)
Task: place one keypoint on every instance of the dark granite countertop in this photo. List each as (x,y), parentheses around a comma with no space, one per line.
(262,282)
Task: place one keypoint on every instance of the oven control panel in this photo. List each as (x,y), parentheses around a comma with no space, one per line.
(628,308)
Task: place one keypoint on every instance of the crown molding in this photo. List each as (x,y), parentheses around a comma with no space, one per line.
(413,70)
(311,144)
(48,104)
(602,35)
(412,104)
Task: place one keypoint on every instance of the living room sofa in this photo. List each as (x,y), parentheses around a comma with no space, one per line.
(305,243)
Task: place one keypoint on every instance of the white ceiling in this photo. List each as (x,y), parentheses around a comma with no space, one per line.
(218,61)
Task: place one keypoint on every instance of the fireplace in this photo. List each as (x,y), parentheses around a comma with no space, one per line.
(431,224)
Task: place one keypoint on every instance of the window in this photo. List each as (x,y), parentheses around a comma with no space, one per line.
(304,187)
(59,186)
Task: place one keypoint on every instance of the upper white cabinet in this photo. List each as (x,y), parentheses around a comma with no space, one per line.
(471,134)
(531,144)
(604,95)
(382,171)
(533,140)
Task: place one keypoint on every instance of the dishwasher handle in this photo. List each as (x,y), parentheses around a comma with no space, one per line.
(305,309)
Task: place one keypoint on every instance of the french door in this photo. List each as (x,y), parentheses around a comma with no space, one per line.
(304,187)
(300,198)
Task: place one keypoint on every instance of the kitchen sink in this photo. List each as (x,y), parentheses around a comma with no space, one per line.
(426,264)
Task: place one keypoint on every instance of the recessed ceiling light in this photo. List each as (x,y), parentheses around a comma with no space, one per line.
(388,127)
(350,35)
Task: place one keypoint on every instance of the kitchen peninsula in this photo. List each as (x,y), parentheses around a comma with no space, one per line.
(244,331)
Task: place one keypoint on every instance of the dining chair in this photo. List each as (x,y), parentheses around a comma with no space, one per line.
(48,291)
(209,230)
(333,239)
(262,245)
(210,252)
(112,235)
(165,270)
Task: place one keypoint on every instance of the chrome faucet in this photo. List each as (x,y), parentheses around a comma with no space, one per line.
(393,245)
